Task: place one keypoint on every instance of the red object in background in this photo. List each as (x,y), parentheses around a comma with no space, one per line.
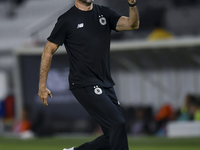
(25,125)
(9,107)
(22,126)
(165,112)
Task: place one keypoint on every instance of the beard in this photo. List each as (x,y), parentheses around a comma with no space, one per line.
(86,2)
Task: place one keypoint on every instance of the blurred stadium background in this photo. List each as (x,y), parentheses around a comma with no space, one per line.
(156,70)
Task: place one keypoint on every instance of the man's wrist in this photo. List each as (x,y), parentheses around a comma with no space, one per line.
(132,4)
(42,86)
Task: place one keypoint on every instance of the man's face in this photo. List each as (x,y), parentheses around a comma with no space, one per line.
(87,2)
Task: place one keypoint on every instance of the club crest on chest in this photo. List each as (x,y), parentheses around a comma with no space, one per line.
(97,90)
(102,20)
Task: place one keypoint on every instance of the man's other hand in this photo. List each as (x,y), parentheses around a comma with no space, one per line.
(43,94)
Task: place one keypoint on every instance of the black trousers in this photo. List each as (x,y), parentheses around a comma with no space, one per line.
(102,104)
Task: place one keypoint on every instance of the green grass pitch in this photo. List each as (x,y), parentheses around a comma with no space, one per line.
(138,143)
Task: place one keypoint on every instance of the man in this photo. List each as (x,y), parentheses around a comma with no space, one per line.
(85,31)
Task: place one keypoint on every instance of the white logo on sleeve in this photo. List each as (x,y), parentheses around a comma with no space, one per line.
(102,20)
(80,25)
(97,90)
(118,103)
